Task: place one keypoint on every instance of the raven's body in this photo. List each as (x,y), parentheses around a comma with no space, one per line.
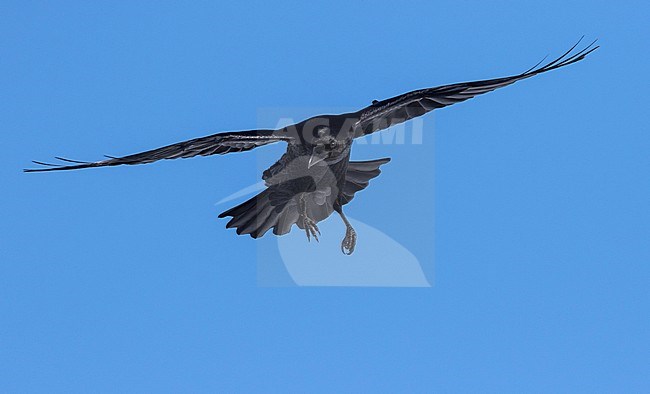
(303,193)
(315,176)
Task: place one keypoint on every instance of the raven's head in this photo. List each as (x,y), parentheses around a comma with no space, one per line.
(326,146)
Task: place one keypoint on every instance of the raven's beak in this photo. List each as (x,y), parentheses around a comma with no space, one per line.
(315,159)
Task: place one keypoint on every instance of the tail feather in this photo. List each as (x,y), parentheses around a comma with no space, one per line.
(246,217)
(243,207)
(287,218)
(258,215)
(265,221)
(256,221)
(359,175)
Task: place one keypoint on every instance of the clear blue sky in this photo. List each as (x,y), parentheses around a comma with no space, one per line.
(123,279)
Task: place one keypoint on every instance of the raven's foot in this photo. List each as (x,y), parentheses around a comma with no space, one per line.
(349,242)
(311,229)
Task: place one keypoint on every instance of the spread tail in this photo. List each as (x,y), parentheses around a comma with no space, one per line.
(274,207)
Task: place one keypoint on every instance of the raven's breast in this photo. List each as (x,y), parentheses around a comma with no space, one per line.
(319,185)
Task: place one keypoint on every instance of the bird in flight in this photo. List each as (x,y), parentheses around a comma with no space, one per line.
(315,176)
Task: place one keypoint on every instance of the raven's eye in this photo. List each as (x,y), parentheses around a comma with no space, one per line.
(331,145)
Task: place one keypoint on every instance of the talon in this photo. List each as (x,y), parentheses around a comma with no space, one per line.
(349,242)
(315,232)
(311,229)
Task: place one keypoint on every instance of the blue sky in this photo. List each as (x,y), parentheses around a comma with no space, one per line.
(123,279)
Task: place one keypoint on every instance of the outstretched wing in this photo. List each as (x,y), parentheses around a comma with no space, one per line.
(216,144)
(383,114)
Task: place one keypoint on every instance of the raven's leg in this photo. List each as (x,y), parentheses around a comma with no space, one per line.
(350,240)
(311,229)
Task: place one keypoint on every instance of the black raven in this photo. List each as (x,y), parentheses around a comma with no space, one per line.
(315,176)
